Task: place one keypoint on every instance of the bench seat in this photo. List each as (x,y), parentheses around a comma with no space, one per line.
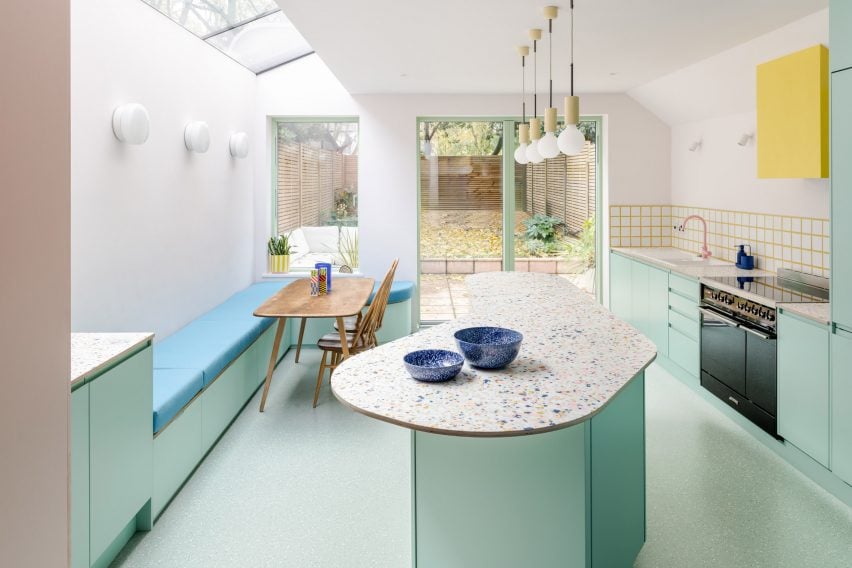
(173,389)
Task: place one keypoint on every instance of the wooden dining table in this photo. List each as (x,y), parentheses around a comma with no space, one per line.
(347,299)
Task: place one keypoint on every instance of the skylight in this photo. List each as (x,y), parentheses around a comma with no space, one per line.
(255,33)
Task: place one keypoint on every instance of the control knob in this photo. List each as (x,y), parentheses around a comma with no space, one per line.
(770,316)
(729,300)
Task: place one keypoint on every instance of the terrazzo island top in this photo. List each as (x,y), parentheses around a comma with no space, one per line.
(92,352)
(575,357)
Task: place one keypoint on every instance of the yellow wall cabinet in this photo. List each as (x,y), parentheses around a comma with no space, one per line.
(792,115)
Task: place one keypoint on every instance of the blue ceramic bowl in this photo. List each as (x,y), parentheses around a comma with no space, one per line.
(433,365)
(489,347)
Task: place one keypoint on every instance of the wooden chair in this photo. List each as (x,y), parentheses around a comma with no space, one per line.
(362,338)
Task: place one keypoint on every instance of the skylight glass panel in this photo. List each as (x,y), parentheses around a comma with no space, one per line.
(264,43)
(209,17)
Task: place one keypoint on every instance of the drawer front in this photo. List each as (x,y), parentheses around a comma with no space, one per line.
(684,325)
(685,286)
(683,350)
(684,307)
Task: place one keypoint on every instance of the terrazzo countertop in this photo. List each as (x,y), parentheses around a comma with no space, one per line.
(820,313)
(698,269)
(576,356)
(92,352)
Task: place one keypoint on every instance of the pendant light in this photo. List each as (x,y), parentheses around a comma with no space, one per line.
(535,124)
(548,146)
(571,140)
(523,128)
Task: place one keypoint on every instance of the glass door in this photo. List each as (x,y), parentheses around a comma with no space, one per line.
(481,211)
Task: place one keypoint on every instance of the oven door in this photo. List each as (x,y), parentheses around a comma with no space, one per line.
(723,350)
(761,371)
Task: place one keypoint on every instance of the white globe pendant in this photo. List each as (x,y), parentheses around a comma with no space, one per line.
(533,154)
(548,146)
(571,141)
(521,154)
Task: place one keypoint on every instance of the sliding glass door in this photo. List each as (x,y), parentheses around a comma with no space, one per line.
(481,211)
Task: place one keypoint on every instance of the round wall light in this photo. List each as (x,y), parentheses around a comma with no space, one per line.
(239,145)
(196,136)
(131,123)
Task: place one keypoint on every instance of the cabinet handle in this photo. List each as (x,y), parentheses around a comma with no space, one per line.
(735,401)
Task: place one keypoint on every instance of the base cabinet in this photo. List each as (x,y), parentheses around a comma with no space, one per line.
(803,385)
(841,403)
(80,477)
(639,296)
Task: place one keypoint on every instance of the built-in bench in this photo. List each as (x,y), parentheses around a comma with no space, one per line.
(206,372)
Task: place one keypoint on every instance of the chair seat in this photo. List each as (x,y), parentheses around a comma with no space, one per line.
(331,342)
(350,323)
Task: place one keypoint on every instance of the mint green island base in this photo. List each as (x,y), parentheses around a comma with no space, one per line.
(570,498)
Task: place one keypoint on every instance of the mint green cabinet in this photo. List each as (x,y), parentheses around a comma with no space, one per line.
(620,297)
(639,290)
(841,403)
(840,33)
(841,196)
(120,453)
(658,303)
(803,385)
(80,477)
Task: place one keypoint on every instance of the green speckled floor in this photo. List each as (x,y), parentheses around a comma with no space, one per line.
(296,487)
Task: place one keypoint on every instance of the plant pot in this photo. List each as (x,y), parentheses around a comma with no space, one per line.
(279,263)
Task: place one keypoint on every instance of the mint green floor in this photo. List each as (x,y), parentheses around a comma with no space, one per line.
(296,487)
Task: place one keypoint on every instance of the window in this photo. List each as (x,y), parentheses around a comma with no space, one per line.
(316,191)
(255,33)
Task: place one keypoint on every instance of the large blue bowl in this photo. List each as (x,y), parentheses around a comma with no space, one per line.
(433,365)
(489,347)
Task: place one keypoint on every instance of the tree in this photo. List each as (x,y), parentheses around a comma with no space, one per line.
(464,138)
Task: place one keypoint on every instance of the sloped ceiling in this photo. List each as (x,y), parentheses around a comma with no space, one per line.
(468,46)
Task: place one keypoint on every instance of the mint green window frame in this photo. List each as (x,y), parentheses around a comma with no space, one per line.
(510,144)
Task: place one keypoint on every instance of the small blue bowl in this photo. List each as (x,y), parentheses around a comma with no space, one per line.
(489,347)
(433,365)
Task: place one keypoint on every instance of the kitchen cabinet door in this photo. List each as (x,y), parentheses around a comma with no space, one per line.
(639,291)
(620,298)
(841,197)
(80,477)
(841,402)
(658,309)
(803,385)
(840,34)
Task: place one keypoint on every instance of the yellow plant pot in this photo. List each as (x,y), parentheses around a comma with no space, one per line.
(279,263)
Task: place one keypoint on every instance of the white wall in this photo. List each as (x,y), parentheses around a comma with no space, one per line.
(35,294)
(638,152)
(159,235)
(715,101)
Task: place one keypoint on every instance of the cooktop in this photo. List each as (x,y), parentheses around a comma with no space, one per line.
(781,289)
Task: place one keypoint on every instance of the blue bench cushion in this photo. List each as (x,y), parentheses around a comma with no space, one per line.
(173,389)
(401,290)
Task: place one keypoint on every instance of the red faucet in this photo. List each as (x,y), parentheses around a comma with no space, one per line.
(705,252)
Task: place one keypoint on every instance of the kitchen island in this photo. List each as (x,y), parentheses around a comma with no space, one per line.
(538,464)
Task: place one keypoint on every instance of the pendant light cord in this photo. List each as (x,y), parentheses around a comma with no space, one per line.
(572,48)
(550,58)
(523,90)
(535,78)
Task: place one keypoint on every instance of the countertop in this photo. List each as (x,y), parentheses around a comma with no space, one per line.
(576,356)
(93,352)
(820,313)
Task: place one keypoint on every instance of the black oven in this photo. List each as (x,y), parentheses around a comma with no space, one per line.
(738,364)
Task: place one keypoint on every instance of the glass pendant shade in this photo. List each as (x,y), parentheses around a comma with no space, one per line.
(548,146)
(521,154)
(571,141)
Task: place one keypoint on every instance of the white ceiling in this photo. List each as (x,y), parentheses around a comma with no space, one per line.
(468,46)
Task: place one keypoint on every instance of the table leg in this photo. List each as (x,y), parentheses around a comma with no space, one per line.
(301,335)
(344,344)
(272,359)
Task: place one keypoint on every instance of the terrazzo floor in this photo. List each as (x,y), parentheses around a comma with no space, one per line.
(298,487)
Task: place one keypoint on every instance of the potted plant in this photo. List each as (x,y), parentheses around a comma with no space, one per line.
(279,254)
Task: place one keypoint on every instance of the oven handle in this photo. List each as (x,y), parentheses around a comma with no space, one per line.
(759,334)
(716,315)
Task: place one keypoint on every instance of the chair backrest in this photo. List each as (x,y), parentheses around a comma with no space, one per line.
(370,323)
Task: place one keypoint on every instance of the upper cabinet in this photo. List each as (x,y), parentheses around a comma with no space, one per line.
(792,115)
(840,15)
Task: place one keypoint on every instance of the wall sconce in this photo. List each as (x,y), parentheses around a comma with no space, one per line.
(238,144)
(695,146)
(745,139)
(131,123)
(196,136)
